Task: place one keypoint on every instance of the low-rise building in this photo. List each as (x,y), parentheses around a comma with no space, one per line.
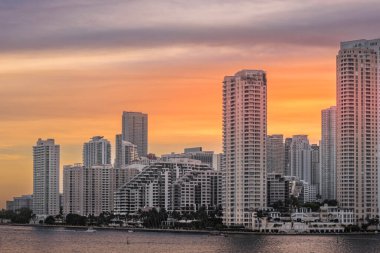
(302,221)
(197,153)
(309,192)
(25,201)
(330,219)
(343,216)
(277,188)
(304,215)
(300,227)
(179,184)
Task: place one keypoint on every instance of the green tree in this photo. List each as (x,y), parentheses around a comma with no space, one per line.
(215,218)
(105,218)
(34,218)
(313,206)
(50,220)
(7,214)
(292,202)
(153,218)
(219,211)
(76,220)
(163,215)
(330,202)
(23,216)
(60,215)
(202,217)
(176,215)
(91,219)
(373,221)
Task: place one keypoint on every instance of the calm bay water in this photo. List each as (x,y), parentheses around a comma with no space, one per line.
(29,239)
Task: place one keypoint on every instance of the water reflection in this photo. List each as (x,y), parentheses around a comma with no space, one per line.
(27,239)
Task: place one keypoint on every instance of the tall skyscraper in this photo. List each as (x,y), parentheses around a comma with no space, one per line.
(328,154)
(73,189)
(288,143)
(118,151)
(135,130)
(46,177)
(315,168)
(129,153)
(358,128)
(98,190)
(217,161)
(276,154)
(96,152)
(244,145)
(300,156)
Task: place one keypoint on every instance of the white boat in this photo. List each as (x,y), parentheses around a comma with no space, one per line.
(90,230)
(216,233)
(130,231)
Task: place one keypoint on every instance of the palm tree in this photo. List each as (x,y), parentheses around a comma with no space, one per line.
(34,218)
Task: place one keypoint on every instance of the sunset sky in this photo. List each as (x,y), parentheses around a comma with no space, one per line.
(69,68)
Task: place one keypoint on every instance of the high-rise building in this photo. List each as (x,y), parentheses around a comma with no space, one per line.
(135,130)
(244,146)
(315,168)
(281,188)
(308,193)
(288,143)
(90,190)
(129,153)
(118,151)
(276,154)
(217,162)
(73,189)
(126,153)
(300,155)
(46,156)
(98,191)
(328,154)
(358,128)
(124,175)
(277,189)
(96,152)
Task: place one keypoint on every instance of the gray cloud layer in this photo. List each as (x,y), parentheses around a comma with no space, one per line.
(50,25)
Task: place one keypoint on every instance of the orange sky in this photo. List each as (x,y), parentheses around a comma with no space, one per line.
(71,75)
(73,103)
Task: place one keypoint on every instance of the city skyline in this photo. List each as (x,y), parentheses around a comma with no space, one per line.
(42,96)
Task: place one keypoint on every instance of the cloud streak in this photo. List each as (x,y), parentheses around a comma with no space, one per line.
(52,26)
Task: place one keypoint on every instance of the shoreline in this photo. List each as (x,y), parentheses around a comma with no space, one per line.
(184,231)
